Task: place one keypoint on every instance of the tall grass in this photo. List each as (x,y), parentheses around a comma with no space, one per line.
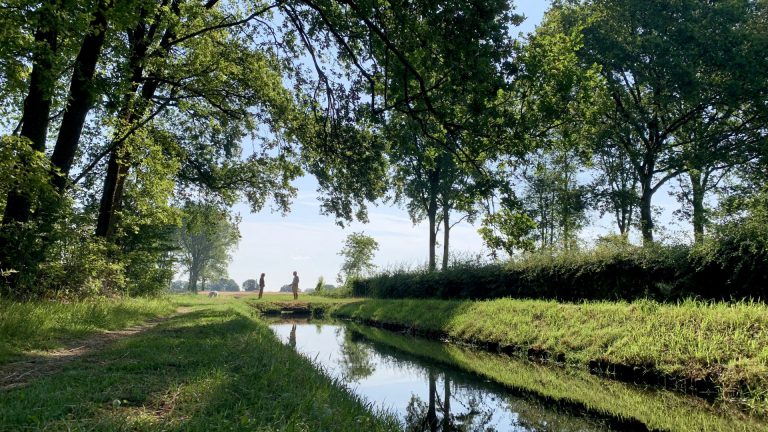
(47,325)
(727,342)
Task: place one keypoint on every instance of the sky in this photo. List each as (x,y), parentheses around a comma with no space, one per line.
(307,242)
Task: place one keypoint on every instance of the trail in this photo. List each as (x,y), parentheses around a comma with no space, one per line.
(39,364)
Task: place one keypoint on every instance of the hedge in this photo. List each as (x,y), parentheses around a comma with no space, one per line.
(725,271)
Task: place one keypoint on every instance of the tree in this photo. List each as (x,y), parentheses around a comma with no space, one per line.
(250,285)
(206,237)
(358,252)
(664,66)
(615,188)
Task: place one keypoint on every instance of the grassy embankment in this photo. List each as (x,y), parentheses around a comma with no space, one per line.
(726,343)
(576,389)
(29,327)
(216,367)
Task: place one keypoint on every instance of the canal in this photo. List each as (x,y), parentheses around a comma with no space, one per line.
(433,386)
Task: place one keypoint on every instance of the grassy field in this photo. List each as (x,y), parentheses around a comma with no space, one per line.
(727,342)
(216,366)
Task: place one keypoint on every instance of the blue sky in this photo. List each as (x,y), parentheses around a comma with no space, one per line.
(308,242)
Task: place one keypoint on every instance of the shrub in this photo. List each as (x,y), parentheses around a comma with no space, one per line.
(611,271)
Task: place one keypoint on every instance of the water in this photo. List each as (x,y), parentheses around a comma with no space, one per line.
(426,396)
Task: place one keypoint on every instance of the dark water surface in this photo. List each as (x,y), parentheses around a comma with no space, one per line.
(424,394)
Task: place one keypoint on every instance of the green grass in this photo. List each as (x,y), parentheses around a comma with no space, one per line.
(658,410)
(217,367)
(691,339)
(47,325)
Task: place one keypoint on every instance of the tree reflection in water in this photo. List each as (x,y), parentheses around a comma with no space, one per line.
(356,363)
(435,415)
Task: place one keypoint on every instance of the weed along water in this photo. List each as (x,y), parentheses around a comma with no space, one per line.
(433,386)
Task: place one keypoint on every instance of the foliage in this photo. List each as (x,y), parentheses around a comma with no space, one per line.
(205,239)
(667,89)
(612,270)
(358,254)
(222,285)
(508,231)
(250,285)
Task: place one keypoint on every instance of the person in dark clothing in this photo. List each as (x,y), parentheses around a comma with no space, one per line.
(261,285)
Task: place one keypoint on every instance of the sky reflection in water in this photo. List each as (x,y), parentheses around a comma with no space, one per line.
(403,384)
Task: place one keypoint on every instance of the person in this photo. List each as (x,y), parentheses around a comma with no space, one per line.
(295,286)
(261,285)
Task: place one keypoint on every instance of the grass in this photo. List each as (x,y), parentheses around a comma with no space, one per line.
(217,367)
(36,326)
(728,342)
(658,410)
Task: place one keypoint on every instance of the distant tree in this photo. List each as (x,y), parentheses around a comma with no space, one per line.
(358,252)
(206,237)
(223,284)
(179,285)
(250,285)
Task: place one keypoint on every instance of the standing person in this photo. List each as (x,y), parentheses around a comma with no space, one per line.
(295,286)
(261,285)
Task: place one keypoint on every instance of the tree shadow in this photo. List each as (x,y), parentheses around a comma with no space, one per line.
(198,371)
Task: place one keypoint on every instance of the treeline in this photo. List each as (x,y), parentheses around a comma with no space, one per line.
(131,127)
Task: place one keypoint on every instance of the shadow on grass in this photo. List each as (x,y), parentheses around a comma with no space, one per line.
(205,370)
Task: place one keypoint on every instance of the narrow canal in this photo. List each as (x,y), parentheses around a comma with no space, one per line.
(433,386)
(425,395)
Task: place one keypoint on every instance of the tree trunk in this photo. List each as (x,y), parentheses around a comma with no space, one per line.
(111,196)
(446,404)
(697,201)
(432,216)
(193,276)
(37,106)
(119,159)
(432,412)
(446,235)
(80,96)
(646,217)
(15,253)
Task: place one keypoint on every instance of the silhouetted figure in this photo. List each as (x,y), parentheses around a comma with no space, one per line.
(295,286)
(261,285)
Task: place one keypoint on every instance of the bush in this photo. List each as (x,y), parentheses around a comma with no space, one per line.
(611,271)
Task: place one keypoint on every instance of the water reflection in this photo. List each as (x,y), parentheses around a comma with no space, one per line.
(427,397)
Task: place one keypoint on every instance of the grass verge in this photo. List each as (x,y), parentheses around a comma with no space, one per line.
(724,343)
(214,368)
(572,387)
(39,326)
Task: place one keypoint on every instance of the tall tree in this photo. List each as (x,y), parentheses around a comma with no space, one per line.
(358,252)
(665,65)
(206,238)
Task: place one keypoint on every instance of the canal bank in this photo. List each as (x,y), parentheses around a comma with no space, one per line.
(717,351)
(451,387)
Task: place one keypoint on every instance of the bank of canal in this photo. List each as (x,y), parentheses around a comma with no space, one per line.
(422,380)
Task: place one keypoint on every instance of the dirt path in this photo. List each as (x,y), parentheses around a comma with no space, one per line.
(39,364)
